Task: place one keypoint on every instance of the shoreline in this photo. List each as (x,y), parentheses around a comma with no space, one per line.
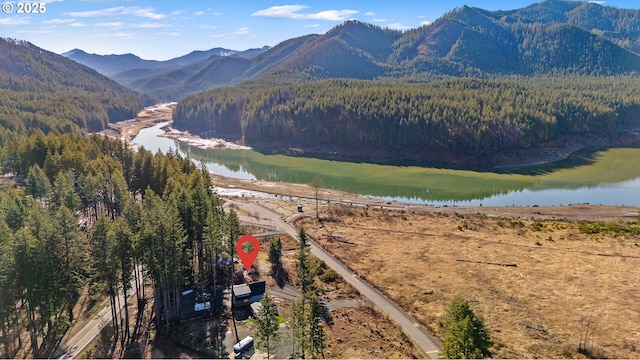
(305,194)
(127,130)
(201,143)
(547,153)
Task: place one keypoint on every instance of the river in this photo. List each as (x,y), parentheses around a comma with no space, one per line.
(608,177)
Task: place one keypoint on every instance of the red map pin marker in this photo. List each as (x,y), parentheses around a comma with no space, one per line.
(247,258)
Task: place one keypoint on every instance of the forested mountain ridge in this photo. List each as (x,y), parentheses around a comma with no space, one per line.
(546,76)
(455,121)
(43,90)
(552,36)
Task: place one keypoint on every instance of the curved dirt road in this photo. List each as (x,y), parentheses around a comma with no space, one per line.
(426,343)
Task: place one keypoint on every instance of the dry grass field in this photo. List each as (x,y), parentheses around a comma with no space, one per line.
(353,330)
(544,287)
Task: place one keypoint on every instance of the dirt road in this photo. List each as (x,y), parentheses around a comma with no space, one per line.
(426,343)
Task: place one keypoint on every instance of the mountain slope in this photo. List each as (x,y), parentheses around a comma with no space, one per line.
(110,65)
(129,69)
(577,82)
(541,39)
(176,83)
(40,89)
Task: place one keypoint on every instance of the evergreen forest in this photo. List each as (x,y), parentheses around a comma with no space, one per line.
(417,121)
(89,217)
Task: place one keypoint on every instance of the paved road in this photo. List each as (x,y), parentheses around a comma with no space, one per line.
(426,343)
(72,347)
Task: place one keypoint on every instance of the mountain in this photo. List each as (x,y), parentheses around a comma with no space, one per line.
(110,65)
(353,49)
(43,90)
(128,68)
(176,83)
(557,69)
(551,37)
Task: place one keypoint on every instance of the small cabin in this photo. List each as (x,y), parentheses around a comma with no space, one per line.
(245,294)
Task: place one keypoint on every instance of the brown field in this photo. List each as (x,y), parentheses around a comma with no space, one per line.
(353,330)
(543,286)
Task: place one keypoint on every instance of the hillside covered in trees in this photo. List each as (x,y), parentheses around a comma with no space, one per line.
(457,91)
(82,219)
(43,90)
(451,121)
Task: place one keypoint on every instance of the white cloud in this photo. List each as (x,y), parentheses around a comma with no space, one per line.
(58,21)
(294,12)
(13,21)
(208,27)
(312,26)
(369,13)
(178,12)
(598,2)
(35,32)
(284,11)
(148,13)
(398,26)
(379,20)
(151,25)
(426,22)
(123,35)
(110,24)
(242,31)
(77,24)
(198,13)
(164,33)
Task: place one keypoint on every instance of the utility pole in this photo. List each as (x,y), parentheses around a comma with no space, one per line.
(316,184)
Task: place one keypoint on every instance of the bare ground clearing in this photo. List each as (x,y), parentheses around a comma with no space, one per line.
(563,280)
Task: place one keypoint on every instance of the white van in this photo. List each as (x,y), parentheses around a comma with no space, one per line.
(243,345)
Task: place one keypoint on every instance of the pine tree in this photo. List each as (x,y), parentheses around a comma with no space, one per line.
(305,276)
(275,259)
(38,184)
(464,335)
(266,325)
(298,326)
(123,253)
(317,337)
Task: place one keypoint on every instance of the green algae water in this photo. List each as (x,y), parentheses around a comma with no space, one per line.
(608,177)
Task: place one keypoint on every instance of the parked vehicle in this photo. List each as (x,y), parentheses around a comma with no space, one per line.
(243,345)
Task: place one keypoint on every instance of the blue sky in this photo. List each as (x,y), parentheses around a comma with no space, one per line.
(166,29)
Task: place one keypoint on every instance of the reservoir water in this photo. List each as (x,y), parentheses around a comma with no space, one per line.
(608,177)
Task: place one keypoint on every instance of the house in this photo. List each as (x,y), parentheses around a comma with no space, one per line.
(246,294)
